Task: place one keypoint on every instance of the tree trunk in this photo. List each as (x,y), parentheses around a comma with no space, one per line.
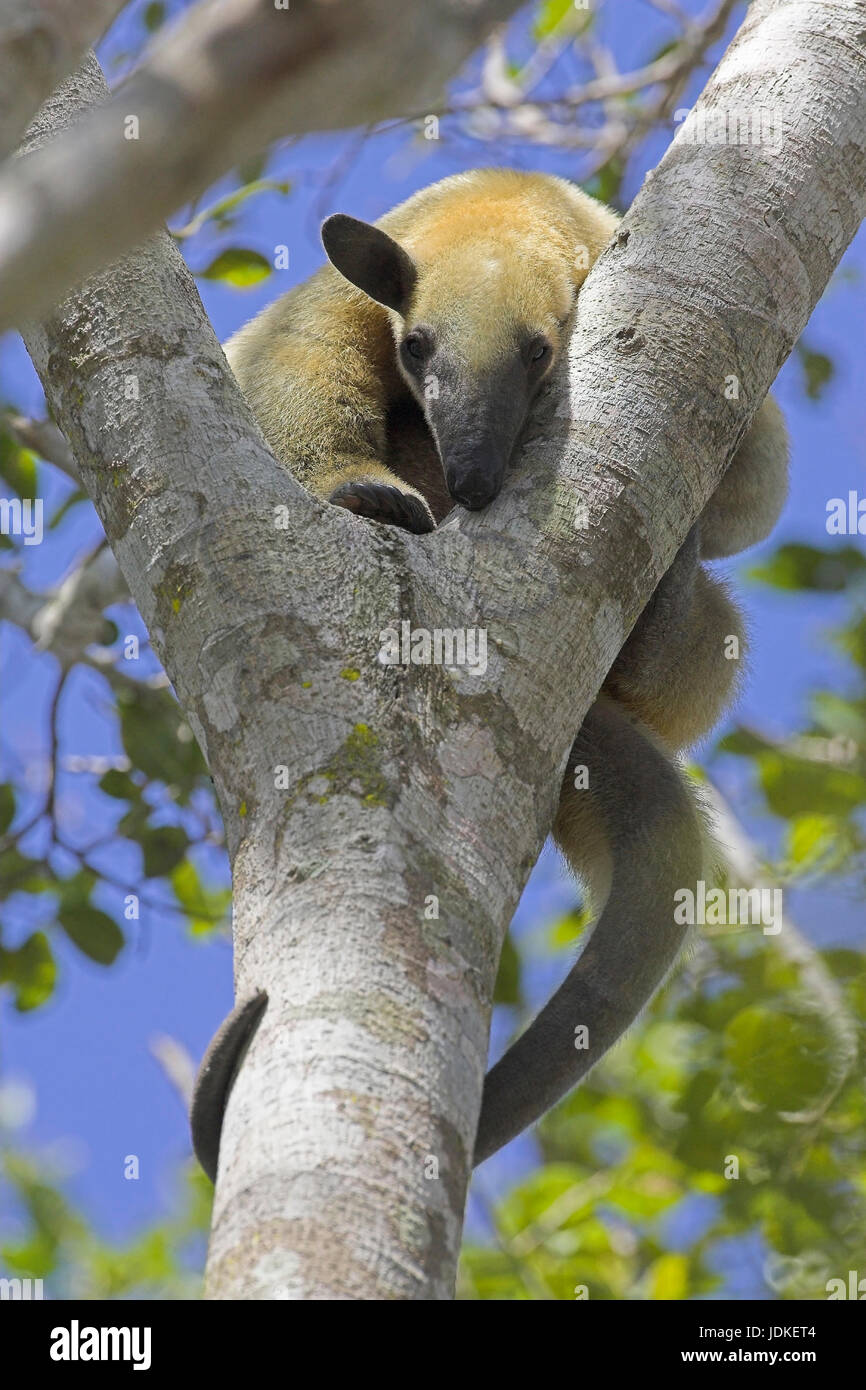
(348,1139)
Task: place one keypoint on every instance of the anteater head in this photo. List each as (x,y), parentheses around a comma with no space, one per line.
(479,302)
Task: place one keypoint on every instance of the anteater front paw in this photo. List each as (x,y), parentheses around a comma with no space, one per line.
(380,502)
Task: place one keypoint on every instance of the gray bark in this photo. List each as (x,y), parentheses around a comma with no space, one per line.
(407,782)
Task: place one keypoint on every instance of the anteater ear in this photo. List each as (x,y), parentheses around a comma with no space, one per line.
(370,259)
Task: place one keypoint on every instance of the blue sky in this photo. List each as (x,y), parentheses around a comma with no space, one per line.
(99,1094)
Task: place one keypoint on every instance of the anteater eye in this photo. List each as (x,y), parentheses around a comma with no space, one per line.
(414,344)
(538,350)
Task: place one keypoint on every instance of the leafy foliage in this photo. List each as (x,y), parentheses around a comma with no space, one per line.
(58,1245)
(733,1117)
(166,777)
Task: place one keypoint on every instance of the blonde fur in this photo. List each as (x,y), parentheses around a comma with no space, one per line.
(495,248)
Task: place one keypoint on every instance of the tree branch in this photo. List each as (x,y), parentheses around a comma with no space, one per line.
(45,439)
(217,86)
(503,107)
(70,619)
(41,41)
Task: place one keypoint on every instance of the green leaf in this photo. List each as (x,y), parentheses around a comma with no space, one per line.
(164,846)
(507,989)
(17,466)
(76,891)
(743,742)
(668,1277)
(7,806)
(780,1059)
(94,933)
(154,16)
(120,785)
(806,567)
(566,931)
(818,370)
(563,15)
(158,741)
(36,1259)
(794,787)
(239,267)
(21,874)
(852,641)
(701,1087)
(205,910)
(133,825)
(607,182)
(31,971)
(810,839)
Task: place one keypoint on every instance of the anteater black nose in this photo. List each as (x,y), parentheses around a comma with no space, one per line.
(474,495)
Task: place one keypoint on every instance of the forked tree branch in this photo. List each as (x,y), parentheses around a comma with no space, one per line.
(358,796)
